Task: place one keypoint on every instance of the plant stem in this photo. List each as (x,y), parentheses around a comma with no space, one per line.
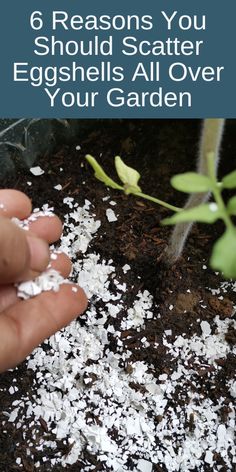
(156,200)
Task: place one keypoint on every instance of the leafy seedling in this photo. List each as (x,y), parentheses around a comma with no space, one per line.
(223,256)
(129,178)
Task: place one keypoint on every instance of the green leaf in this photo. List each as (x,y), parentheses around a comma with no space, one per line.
(207,213)
(100,174)
(191,182)
(224,254)
(231,206)
(128,176)
(229,181)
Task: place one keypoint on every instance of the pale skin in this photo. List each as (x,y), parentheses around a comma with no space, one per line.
(24,324)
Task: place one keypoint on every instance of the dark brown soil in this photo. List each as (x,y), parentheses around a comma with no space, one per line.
(158,149)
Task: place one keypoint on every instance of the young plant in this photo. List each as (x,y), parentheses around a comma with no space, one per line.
(129,178)
(223,256)
(211,137)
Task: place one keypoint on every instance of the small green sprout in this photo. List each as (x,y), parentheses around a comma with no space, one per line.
(101,175)
(223,256)
(129,177)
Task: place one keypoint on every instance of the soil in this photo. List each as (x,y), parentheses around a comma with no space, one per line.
(158,149)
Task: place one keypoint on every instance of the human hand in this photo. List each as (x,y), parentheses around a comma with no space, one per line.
(24,255)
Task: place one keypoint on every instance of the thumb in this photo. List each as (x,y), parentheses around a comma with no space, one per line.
(20,253)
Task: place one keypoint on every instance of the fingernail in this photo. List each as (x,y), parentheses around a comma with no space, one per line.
(39,253)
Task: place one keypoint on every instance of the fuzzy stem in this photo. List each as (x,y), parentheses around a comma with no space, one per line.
(209,143)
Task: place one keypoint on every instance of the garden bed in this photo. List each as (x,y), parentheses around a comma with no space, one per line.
(145,380)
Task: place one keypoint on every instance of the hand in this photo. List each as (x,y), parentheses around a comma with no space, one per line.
(23,255)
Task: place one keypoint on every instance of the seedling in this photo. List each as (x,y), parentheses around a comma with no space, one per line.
(210,141)
(223,256)
(129,178)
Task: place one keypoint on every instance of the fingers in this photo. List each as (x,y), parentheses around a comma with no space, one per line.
(39,255)
(8,297)
(17,261)
(14,203)
(23,255)
(8,293)
(19,253)
(26,324)
(62,264)
(48,228)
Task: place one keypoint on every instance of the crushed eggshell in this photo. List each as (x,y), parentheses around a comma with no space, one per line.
(36,171)
(110,214)
(81,376)
(48,280)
